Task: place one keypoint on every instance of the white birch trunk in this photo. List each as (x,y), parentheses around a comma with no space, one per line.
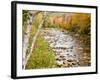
(25,40)
(35,37)
(26,36)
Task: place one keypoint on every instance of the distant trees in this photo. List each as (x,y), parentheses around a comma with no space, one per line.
(82,22)
(74,22)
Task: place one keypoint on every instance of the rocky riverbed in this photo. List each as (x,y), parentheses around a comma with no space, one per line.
(66,47)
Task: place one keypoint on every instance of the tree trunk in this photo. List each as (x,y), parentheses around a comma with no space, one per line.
(26,39)
(35,37)
(26,35)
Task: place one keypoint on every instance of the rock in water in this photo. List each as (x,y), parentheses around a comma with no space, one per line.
(59,63)
(65,63)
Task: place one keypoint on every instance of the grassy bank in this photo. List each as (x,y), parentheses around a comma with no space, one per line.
(42,56)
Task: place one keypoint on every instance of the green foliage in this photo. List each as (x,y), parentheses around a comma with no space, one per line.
(72,29)
(82,23)
(42,56)
(24,19)
(25,16)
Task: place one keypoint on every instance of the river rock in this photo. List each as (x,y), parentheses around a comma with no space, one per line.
(65,63)
(59,63)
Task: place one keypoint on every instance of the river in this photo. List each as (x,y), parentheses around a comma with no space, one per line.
(68,51)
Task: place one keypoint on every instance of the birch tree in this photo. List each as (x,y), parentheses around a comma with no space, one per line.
(35,37)
(30,18)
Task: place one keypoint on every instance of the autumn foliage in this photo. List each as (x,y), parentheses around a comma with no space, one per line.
(75,22)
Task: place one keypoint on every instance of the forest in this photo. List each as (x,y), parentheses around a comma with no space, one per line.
(55,39)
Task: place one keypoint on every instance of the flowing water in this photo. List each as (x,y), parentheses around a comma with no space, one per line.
(67,49)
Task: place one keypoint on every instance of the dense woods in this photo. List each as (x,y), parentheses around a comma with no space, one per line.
(39,54)
(75,22)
